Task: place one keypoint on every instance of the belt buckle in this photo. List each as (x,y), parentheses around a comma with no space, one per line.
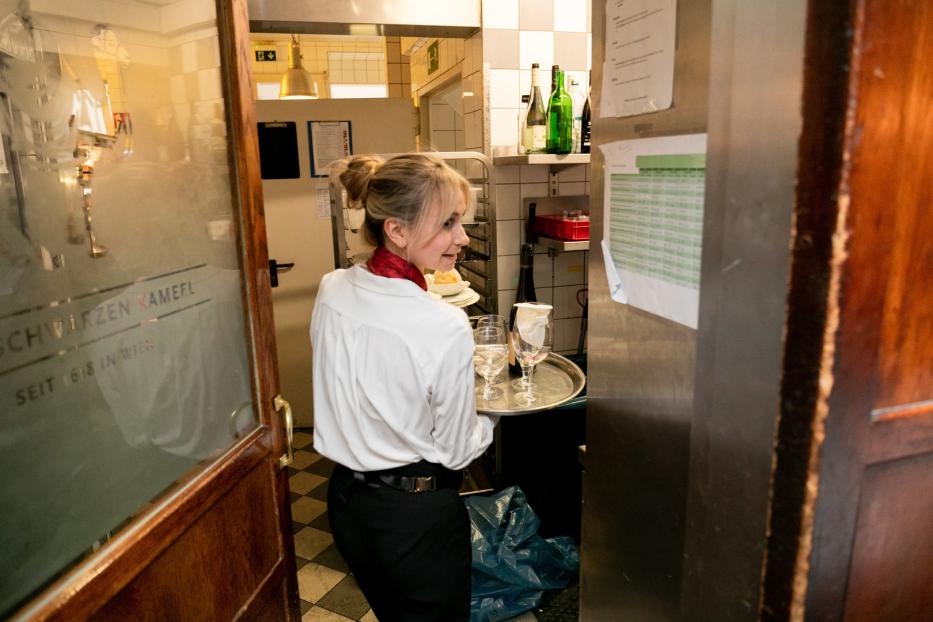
(423,484)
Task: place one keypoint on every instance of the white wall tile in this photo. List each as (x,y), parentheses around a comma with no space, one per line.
(507,267)
(536,15)
(471,94)
(572,173)
(503,88)
(508,237)
(566,335)
(442,117)
(565,302)
(524,83)
(571,188)
(472,130)
(545,295)
(534,190)
(570,15)
(507,175)
(443,140)
(506,300)
(500,14)
(534,173)
(501,48)
(570,51)
(543,271)
(569,269)
(393,53)
(508,201)
(504,130)
(537,47)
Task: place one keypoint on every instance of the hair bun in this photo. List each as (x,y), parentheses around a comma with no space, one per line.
(355,173)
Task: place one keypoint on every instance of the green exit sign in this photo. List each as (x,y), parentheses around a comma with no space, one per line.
(433,57)
(265,55)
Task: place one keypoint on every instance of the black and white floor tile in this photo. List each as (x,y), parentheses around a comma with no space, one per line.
(327,590)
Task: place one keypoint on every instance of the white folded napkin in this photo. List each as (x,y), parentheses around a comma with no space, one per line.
(531,321)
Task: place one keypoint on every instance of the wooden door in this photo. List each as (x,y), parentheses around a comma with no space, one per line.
(857,508)
(177,203)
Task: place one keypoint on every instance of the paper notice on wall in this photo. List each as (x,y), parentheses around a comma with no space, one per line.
(653,231)
(322,199)
(329,141)
(638,66)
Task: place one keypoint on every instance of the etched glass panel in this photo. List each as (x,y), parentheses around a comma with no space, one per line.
(123,354)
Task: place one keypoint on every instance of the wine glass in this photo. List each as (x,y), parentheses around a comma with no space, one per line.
(490,355)
(532,337)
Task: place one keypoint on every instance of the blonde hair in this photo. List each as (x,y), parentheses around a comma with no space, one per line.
(404,187)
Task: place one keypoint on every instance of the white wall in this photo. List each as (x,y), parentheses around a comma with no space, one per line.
(296,233)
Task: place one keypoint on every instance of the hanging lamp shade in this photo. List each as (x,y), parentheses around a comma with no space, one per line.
(296,83)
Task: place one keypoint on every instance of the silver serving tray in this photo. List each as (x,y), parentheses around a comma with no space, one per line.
(557,381)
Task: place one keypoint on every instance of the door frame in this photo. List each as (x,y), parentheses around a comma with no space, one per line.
(87,587)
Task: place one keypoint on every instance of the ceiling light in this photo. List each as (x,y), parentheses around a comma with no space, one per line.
(296,83)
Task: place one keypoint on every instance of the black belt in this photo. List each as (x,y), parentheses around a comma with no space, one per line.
(409,478)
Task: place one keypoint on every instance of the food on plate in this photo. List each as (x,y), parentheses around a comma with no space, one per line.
(441,278)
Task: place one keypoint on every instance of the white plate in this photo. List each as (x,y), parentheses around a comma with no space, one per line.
(463,299)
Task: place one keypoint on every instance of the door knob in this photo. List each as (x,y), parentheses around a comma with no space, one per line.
(275,268)
(282,405)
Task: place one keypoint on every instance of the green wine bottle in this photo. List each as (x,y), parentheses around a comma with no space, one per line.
(559,117)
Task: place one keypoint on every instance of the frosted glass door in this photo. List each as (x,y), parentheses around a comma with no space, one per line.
(124,364)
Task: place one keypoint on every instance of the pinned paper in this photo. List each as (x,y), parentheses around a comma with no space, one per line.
(653,223)
(616,288)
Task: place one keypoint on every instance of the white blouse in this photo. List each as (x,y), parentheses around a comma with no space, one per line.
(393,375)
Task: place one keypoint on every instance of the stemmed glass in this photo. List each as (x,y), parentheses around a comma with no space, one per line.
(532,337)
(491,353)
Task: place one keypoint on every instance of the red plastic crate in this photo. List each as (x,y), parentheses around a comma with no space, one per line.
(556,226)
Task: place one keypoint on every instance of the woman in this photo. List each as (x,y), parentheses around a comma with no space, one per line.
(393,394)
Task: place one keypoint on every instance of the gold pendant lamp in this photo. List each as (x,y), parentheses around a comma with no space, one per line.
(296,83)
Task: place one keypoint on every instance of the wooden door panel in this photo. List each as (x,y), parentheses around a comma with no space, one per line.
(891,576)
(872,541)
(216,565)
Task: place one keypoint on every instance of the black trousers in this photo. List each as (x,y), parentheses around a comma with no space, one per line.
(410,552)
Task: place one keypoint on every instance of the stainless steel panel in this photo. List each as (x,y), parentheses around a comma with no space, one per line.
(366,17)
(640,384)
(755,121)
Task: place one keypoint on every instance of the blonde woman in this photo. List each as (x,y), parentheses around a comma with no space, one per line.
(393,394)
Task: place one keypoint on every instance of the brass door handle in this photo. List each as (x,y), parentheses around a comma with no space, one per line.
(281,404)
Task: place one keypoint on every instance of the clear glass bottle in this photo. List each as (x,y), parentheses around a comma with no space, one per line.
(576,96)
(534,138)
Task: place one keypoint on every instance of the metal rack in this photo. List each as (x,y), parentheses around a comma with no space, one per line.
(477,263)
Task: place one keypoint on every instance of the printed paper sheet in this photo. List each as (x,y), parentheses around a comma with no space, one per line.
(653,215)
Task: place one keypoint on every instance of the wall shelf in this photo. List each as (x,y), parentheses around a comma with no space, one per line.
(553,160)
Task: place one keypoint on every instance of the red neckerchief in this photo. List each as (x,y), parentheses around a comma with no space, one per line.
(386,263)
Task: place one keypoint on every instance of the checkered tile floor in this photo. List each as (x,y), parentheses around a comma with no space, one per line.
(327,590)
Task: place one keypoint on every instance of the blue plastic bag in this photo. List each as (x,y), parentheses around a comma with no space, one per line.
(512,564)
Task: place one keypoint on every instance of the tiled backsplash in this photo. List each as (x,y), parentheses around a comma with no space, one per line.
(560,278)
(517,33)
